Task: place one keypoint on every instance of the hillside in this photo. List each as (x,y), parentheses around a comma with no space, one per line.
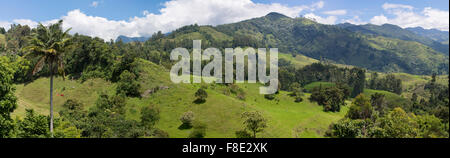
(126,39)
(221,112)
(396,32)
(433,34)
(307,37)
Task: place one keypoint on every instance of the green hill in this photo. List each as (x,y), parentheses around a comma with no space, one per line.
(396,32)
(221,112)
(318,41)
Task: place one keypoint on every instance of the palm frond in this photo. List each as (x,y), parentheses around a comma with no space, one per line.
(39,65)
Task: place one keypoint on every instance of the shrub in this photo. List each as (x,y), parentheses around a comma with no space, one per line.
(199,130)
(187,118)
(158,133)
(128,85)
(201,95)
(149,116)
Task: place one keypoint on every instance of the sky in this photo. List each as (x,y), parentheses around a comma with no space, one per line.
(108,19)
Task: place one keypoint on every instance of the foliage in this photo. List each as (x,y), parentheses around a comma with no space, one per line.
(331,98)
(33,126)
(389,83)
(187,118)
(254,122)
(361,108)
(201,95)
(149,116)
(396,124)
(199,130)
(8,102)
(128,85)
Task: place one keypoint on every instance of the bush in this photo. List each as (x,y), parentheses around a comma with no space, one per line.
(158,133)
(149,116)
(201,95)
(187,118)
(199,131)
(128,85)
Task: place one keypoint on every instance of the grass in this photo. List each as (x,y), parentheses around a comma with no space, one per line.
(2,39)
(298,61)
(221,112)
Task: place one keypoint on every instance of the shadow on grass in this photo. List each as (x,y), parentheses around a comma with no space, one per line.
(199,101)
(185,126)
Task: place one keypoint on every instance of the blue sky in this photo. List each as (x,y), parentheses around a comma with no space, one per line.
(129,17)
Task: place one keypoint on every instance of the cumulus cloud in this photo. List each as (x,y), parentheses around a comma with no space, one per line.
(323,20)
(354,20)
(28,22)
(405,16)
(336,12)
(5,24)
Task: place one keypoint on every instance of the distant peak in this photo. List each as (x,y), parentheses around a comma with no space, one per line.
(275,15)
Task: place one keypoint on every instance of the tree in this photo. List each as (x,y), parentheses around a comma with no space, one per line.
(187,118)
(201,95)
(359,80)
(254,121)
(149,116)
(378,102)
(2,30)
(49,44)
(360,108)
(397,124)
(8,102)
(334,99)
(128,85)
(297,92)
(33,126)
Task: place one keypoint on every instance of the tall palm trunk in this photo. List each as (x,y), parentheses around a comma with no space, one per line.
(51,99)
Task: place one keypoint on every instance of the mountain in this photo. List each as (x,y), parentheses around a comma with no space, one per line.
(318,41)
(126,39)
(393,31)
(434,34)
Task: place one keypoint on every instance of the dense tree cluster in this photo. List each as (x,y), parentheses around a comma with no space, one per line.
(331,98)
(289,76)
(389,83)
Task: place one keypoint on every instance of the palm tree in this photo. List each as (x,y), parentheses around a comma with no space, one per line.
(49,44)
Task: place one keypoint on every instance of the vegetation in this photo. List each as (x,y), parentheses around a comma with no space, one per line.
(117,89)
(49,44)
(201,95)
(254,122)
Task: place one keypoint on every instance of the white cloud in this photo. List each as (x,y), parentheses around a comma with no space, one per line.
(379,20)
(319,19)
(94,4)
(317,5)
(405,16)
(177,13)
(336,12)
(5,24)
(25,22)
(388,6)
(354,20)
